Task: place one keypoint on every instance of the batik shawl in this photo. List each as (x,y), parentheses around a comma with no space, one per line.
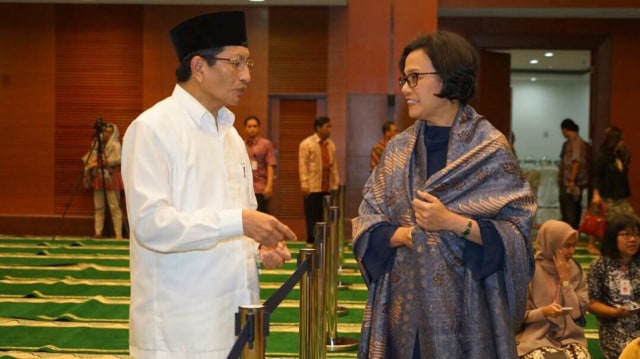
(429,288)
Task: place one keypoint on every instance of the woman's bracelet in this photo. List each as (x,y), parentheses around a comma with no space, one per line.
(467,230)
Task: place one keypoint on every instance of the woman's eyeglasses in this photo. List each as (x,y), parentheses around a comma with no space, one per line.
(627,235)
(412,78)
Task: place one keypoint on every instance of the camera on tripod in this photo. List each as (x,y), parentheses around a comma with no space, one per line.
(99,126)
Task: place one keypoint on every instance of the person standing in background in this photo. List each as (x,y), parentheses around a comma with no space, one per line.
(105,178)
(263,161)
(389,129)
(573,174)
(611,178)
(318,171)
(195,231)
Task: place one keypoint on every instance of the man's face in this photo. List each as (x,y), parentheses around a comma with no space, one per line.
(224,82)
(252,128)
(324,131)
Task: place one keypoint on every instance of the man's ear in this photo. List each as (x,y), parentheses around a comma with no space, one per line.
(197,63)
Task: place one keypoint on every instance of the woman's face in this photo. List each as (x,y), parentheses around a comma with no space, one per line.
(421,100)
(107,132)
(569,246)
(628,242)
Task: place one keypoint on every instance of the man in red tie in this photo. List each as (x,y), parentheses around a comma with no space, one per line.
(318,171)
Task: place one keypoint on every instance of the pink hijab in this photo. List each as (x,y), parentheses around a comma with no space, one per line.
(551,236)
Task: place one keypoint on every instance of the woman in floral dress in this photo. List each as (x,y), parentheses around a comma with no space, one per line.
(614,285)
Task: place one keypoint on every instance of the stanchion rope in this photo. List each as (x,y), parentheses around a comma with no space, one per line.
(269,306)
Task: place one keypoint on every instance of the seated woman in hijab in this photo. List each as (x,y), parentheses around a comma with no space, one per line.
(558,298)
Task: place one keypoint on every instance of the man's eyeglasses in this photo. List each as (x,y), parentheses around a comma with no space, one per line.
(412,78)
(628,235)
(239,64)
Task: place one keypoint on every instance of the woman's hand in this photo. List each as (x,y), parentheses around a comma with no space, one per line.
(431,214)
(402,237)
(562,265)
(553,310)
(622,312)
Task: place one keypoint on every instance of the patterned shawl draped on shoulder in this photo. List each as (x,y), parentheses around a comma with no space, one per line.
(481,180)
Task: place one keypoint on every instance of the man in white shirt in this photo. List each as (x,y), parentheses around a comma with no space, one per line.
(190,199)
(318,171)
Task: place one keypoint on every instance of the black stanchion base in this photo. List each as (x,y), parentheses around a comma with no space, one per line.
(340,344)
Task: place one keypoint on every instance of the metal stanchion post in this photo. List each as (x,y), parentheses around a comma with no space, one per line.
(308,315)
(326,203)
(341,245)
(319,331)
(332,236)
(334,343)
(253,315)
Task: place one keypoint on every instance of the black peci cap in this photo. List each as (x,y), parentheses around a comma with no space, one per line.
(209,31)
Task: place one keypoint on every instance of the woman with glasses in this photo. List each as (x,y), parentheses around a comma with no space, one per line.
(614,285)
(442,236)
(558,297)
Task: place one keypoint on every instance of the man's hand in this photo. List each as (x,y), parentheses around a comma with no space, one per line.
(264,228)
(273,257)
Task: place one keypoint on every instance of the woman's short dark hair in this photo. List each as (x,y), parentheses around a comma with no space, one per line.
(615,224)
(183,71)
(453,57)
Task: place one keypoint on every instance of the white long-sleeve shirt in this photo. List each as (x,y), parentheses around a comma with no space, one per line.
(186,183)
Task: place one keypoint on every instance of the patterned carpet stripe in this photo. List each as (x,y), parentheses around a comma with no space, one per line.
(69,275)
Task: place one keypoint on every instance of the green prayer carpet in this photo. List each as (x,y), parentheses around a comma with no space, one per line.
(71,296)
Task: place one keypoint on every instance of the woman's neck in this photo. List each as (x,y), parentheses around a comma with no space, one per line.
(625,260)
(446,115)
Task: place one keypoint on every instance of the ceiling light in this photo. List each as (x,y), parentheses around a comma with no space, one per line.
(548,54)
(256,0)
(533,62)
(533,79)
